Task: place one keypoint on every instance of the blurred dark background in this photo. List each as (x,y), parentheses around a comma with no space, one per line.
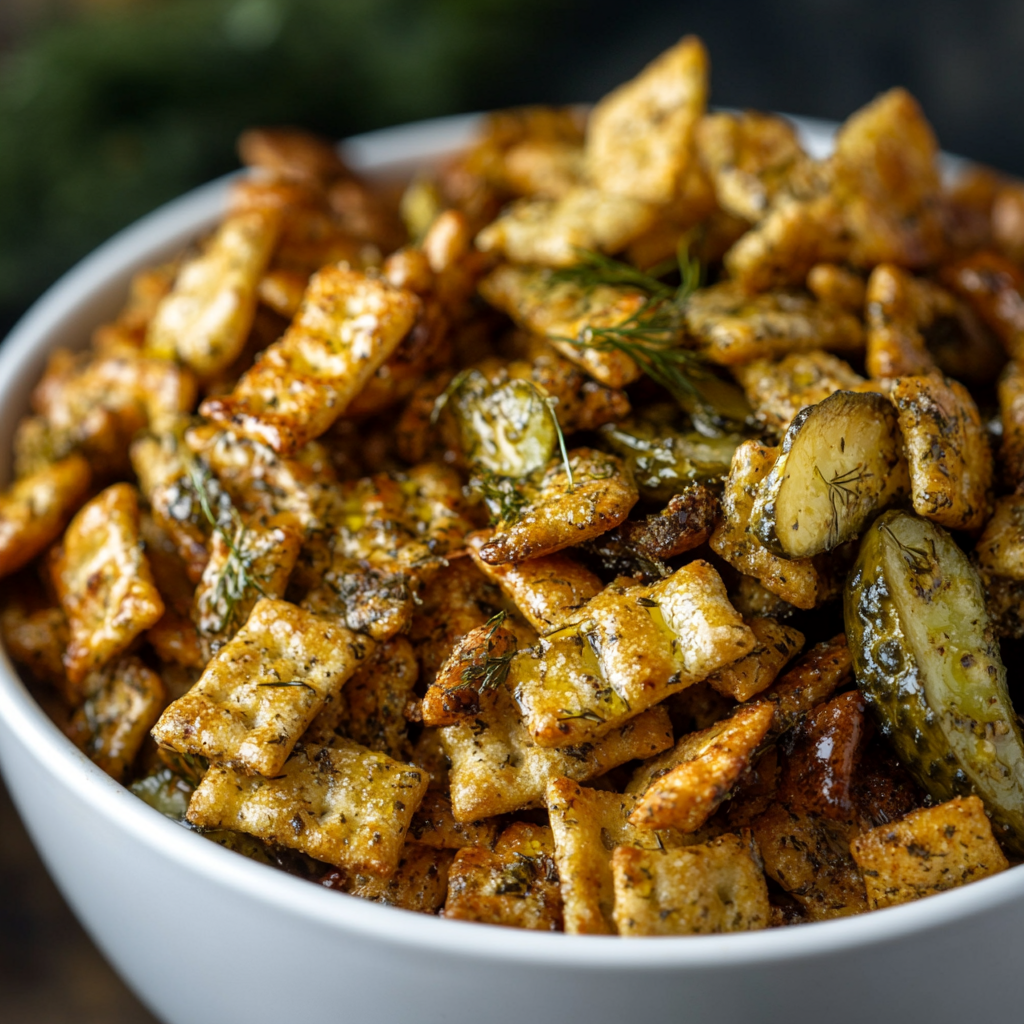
(110,107)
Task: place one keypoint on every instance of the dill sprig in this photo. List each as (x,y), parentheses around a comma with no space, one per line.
(650,336)
(503,499)
(235,576)
(493,671)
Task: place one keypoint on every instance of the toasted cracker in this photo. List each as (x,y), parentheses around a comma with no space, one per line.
(262,689)
(587,824)
(35,509)
(928,851)
(695,890)
(343,804)
(434,824)
(627,648)
(777,644)
(495,768)
(103,581)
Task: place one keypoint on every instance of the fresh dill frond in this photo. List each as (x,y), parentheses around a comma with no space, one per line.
(650,336)
(235,577)
(550,402)
(504,500)
(493,671)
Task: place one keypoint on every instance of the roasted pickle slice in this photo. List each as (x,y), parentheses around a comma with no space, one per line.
(841,463)
(508,430)
(928,664)
(664,460)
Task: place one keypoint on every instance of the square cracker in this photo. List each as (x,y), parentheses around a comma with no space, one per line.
(697,890)
(929,851)
(496,768)
(344,805)
(263,688)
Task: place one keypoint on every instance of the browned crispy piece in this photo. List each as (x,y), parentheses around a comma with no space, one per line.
(550,232)
(515,886)
(348,325)
(548,591)
(796,235)
(812,680)
(968,213)
(1004,601)
(587,824)
(263,688)
(947,450)
(122,702)
(733,327)
(419,883)
(626,649)
(821,772)
(688,782)
(103,581)
(558,516)
(999,214)
(455,600)
(1011,412)
(343,804)
(778,390)
(1000,548)
(994,286)
(175,640)
(478,661)
(684,523)
(836,286)
(640,136)
(886,176)
(205,319)
(248,561)
(35,639)
(898,308)
(35,509)
(748,157)
(496,768)
(435,825)
(291,154)
(797,580)
(929,851)
(548,168)
(565,313)
(752,601)
(808,855)
(127,333)
(696,890)
(377,695)
(162,467)
(777,644)
(96,403)
(380,537)
(281,289)
(258,481)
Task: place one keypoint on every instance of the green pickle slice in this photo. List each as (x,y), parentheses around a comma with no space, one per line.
(928,664)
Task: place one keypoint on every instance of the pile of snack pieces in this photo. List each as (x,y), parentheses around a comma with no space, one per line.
(304,515)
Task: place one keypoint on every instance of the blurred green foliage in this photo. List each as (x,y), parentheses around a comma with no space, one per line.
(106,116)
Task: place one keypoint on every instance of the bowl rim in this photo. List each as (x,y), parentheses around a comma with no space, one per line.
(166,229)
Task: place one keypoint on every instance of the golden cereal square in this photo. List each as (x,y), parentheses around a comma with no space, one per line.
(696,890)
(263,688)
(928,851)
(344,805)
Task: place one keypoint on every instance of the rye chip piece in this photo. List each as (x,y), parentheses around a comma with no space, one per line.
(343,804)
(696,890)
(263,687)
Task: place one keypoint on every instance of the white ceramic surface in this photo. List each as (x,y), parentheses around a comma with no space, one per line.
(204,935)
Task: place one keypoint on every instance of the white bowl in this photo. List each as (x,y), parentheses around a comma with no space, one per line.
(204,935)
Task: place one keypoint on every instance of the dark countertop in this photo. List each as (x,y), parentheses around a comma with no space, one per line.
(50,972)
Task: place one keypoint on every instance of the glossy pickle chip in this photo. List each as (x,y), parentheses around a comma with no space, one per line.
(929,666)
